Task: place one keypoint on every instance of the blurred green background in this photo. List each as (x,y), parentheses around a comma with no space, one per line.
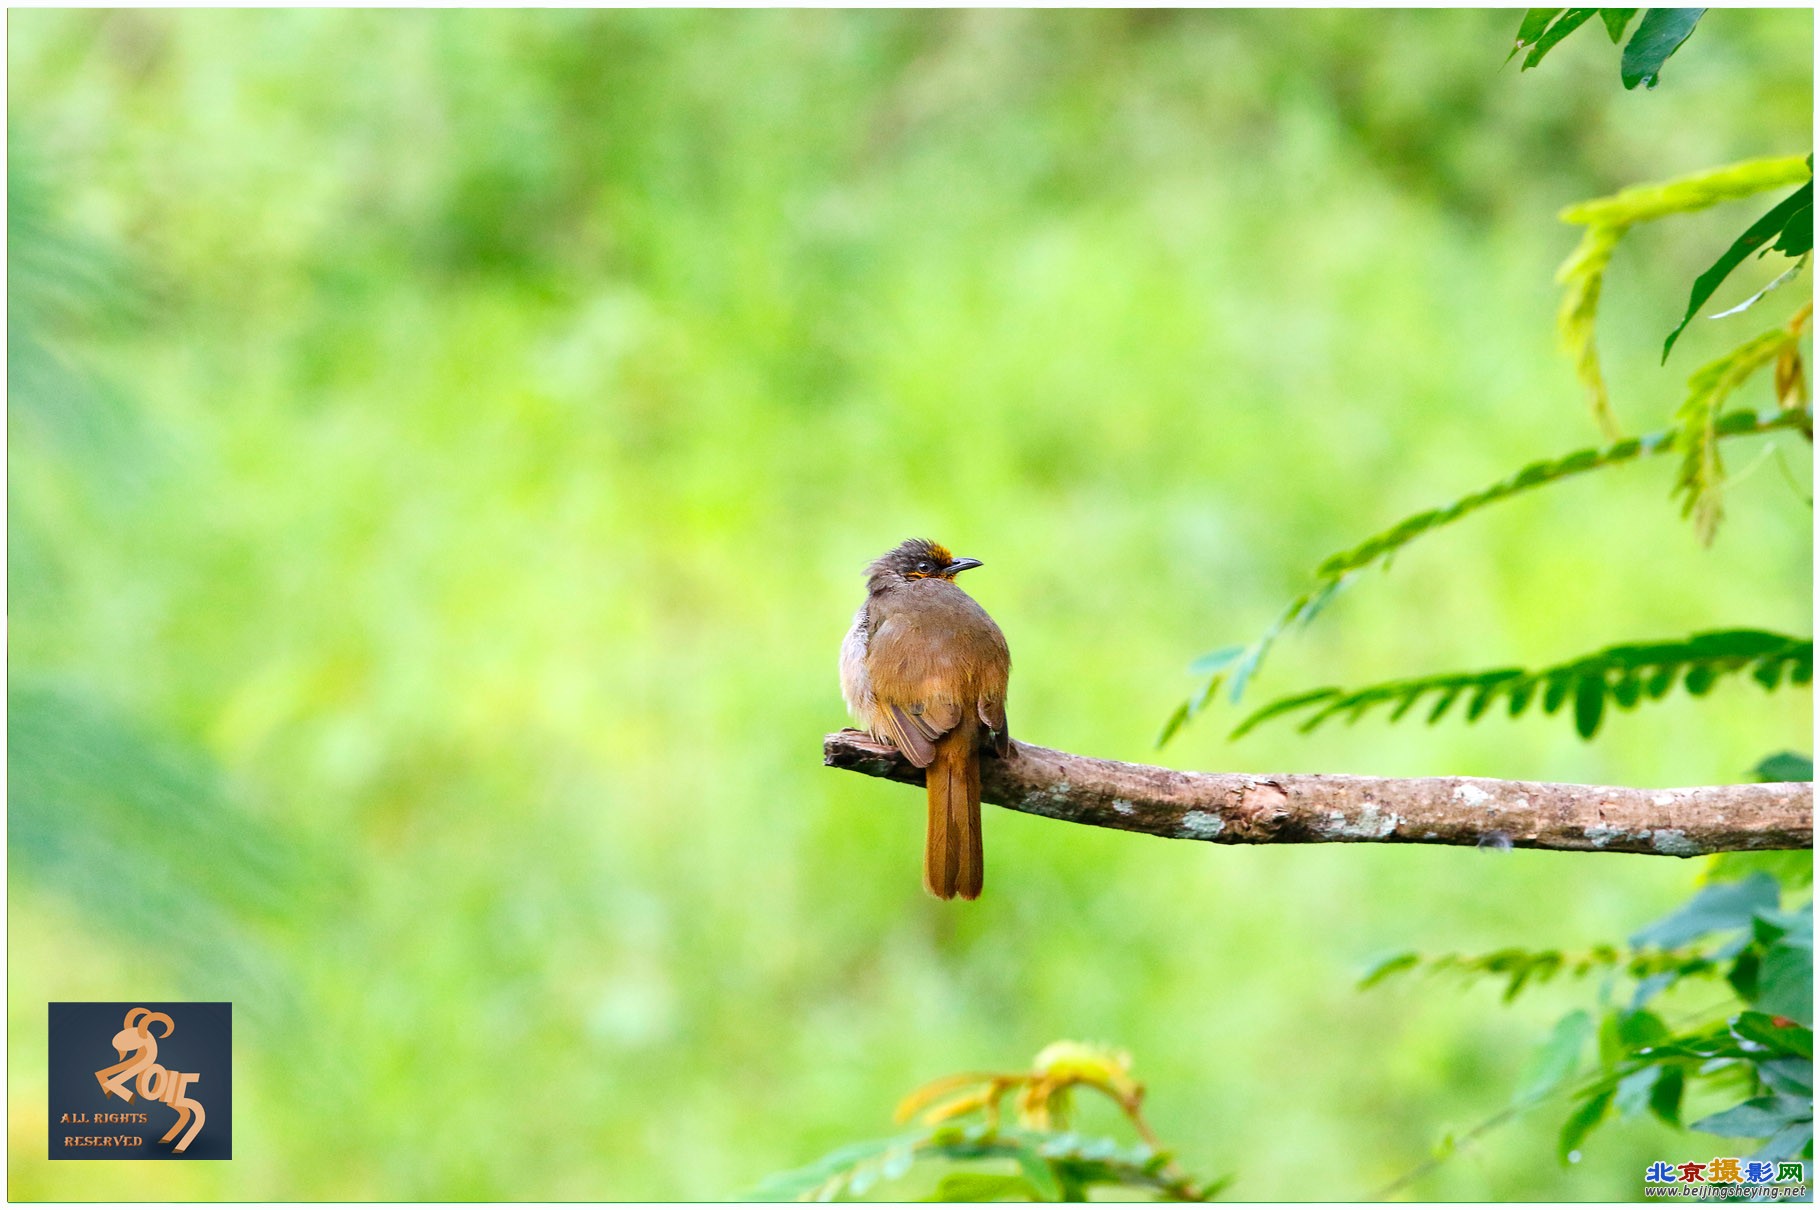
(444,447)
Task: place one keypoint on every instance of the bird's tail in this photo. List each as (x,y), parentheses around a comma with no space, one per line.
(953,859)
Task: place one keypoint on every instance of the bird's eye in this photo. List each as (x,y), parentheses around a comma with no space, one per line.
(925,566)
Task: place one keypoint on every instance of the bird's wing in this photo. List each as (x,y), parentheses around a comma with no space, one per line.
(913,689)
(915,728)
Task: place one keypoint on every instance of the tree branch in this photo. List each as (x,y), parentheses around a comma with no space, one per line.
(1302,808)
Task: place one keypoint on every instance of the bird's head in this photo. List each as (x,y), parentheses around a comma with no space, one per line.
(917,559)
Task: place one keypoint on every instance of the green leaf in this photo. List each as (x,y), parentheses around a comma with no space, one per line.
(1404,706)
(1639,1029)
(1665,1097)
(1318,600)
(1216,661)
(1540,966)
(1761,1028)
(1768,673)
(1785,983)
(1569,21)
(1739,644)
(1792,868)
(1534,22)
(1384,969)
(1706,657)
(1743,974)
(1722,906)
(1790,1141)
(1770,926)
(799,1182)
(983,1187)
(1785,766)
(1759,233)
(1635,1090)
(1448,696)
(1719,1044)
(1248,667)
(1213,1188)
(1283,706)
(1589,704)
(1792,1075)
(1041,1174)
(1757,1118)
(1623,1032)
(1659,35)
(1557,1058)
(1176,720)
(1615,20)
(1555,692)
(1797,238)
(1648,989)
(1580,1123)
(1628,690)
(1490,685)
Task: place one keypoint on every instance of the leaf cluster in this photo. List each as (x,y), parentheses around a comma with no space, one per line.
(1788,228)
(1759,1056)
(1659,35)
(1047,1166)
(1520,967)
(1763,1055)
(1051,1163)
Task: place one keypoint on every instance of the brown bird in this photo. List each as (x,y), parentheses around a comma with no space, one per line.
(925,668)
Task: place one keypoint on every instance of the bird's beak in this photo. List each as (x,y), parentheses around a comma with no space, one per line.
(959,565)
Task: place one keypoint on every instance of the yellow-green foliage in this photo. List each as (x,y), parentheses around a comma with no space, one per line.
(1608,219)
(1647,203)
(1583,274)
(1702,476)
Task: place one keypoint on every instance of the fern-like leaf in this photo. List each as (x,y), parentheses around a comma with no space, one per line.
(1583,277)
(1520,968)
(1619,676)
